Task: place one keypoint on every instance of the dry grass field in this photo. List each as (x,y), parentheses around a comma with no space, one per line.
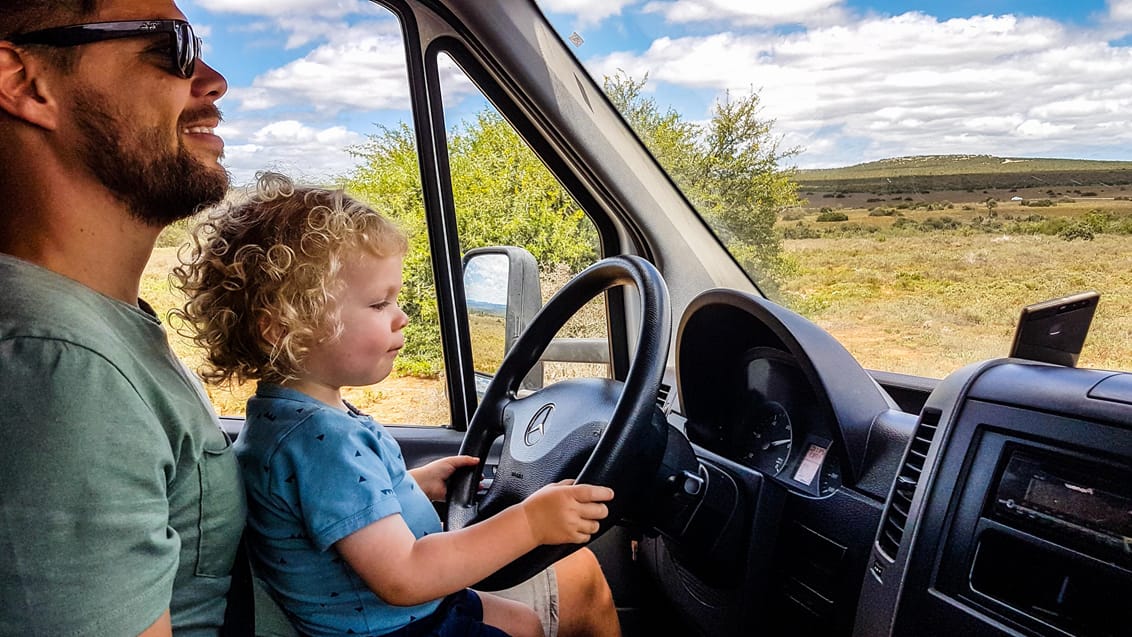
(927,303)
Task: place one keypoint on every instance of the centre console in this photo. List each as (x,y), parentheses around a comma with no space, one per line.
(1019,518)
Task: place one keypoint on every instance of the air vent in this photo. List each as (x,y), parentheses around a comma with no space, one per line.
(896,517)
(662,395)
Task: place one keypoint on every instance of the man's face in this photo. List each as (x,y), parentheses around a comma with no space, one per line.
(161,181)
(145,133)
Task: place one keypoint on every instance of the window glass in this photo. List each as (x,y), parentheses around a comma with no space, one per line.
(506,196)
(323,96)
(908,175)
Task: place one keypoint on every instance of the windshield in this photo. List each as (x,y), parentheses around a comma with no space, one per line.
(908,175)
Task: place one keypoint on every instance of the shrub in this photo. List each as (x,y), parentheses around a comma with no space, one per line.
(800,231)
(939,223)
(1077,231)
(882,212)
(175,233)
(1038,203)
(832,216)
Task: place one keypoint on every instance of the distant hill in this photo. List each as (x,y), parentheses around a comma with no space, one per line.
(964,172)
(493,309)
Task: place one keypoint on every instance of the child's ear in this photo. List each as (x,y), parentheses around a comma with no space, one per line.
(270,331)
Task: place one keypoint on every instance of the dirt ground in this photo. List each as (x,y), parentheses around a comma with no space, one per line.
(404,400)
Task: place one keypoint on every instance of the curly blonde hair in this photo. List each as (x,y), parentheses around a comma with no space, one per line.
(269,261)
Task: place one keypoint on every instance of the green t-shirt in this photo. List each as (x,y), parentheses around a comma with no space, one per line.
(119,494)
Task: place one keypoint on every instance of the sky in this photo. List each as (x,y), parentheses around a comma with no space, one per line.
(844,81)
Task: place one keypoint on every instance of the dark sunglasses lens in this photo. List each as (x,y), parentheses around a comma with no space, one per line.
(187,50)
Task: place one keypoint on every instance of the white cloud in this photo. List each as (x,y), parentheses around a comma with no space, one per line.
(746,12)
(1120,10)
(588,11)
(361,68)
(287,146)
(911,84)
(366,73)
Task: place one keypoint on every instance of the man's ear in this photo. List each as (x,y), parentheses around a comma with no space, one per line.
(25,87)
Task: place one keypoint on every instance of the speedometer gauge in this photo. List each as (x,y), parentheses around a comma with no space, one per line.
(770,438)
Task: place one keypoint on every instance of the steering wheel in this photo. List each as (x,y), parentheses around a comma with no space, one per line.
(598,431)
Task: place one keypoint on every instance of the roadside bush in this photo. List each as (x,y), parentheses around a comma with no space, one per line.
(832,216)
(1078,230)
(1038,203)
(882,212)
(939,223)
(1122,225)
(854,229)
(1051,227)
(800,231)
(175,233)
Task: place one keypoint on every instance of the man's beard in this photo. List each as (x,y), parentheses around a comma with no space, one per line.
(159,185)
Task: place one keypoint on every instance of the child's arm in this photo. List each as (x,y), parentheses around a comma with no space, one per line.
(404,571)
(432,478)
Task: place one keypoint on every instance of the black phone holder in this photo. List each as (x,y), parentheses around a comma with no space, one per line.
(1054,331)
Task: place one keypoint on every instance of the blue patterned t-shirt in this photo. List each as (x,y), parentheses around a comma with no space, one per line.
(314,475)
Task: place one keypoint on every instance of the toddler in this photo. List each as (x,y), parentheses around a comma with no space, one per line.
(297,288)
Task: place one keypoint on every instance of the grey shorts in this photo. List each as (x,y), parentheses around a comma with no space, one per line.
(540,593)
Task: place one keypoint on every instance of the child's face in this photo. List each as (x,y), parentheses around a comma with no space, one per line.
(371,325)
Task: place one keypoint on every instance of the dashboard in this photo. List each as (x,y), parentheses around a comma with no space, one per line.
(1002,507)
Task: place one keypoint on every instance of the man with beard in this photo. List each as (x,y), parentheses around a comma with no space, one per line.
(120,505)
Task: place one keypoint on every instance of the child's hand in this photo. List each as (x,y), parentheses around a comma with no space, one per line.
(564,512)
(433,477)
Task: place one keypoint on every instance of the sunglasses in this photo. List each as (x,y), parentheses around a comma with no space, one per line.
(183,54)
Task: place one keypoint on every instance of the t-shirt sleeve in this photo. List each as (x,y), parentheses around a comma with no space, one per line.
(85,542)
(331,472)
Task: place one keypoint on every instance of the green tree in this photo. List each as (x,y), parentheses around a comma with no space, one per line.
(729,168)
(505,195)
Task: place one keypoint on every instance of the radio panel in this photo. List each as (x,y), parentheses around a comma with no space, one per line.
(1088,508)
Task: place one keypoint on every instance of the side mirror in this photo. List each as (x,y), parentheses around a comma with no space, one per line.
(503,293)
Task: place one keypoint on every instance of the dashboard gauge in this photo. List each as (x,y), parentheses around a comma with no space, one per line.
(830,476)
(770,438)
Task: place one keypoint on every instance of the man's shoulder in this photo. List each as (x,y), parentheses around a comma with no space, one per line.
(39,304)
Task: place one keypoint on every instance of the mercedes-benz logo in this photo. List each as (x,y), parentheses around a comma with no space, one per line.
(537,426)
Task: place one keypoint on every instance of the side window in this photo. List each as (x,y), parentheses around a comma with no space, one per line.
(506,197)
(329,104)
